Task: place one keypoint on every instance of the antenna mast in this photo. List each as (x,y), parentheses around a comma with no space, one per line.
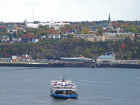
(33,15)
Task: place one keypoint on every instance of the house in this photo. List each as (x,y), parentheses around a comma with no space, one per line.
(5,38)
(24,57)
(16,40)
(25,40)
(42,37)
(55,36)
(71,32)
(16,58)
(35,40)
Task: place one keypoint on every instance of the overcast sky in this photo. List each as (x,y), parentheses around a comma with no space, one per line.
(68,10)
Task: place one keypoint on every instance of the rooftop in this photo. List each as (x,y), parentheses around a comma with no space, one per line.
(106,56)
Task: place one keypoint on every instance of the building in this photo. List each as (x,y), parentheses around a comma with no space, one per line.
(25,40)
(104,25)
(88,37)
(100,38)
(109,27)
(5,38)
(107,57)
(55,36)
(20,27)
(16,40)
(76,59)
(56,25)
(11,28)
(118,35)
(32,25)
(42,37)
(35,40)
(24,57)
(5,59)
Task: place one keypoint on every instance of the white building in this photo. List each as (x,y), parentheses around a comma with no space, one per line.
(5,38)
(56,36)
(107,57)
(42,37)
(31,25)
(16,40)
(56,25)
(35,40)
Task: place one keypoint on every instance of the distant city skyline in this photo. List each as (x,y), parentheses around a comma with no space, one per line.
(72,10)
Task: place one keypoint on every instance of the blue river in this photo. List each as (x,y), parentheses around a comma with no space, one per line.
(96,86)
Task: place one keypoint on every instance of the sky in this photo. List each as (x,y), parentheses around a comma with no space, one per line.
(68,10)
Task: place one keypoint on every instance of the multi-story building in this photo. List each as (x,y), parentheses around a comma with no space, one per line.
(118,35)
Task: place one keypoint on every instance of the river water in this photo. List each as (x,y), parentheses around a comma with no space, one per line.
(96,86)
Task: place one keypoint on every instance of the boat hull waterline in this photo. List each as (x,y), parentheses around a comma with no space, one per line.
(63,96)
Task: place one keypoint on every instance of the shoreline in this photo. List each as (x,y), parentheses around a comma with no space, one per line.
(86,65)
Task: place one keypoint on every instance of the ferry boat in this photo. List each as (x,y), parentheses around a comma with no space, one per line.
(62,88)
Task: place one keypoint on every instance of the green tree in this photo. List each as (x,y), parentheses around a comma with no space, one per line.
(70,36)
(49,56)
(128,55)
(44,27)
(85,31)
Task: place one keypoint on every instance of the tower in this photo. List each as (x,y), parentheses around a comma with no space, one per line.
(109,20)
(33,16)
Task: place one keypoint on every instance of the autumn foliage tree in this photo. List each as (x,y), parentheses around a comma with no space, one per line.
(123,46)
(50,31)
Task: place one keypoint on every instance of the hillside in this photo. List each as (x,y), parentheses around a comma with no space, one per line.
(56,48)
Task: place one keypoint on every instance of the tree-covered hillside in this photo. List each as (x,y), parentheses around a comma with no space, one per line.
(56,48)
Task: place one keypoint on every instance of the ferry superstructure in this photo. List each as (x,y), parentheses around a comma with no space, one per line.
(62,88)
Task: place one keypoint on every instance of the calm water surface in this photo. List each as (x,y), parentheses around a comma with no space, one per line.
(96,86)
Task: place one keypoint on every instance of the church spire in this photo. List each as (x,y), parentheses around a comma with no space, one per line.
(109,18)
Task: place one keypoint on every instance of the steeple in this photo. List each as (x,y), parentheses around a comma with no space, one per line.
(109,18)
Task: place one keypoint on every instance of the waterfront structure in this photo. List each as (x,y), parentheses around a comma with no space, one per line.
(76,59)
(24,57)
(107,57)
